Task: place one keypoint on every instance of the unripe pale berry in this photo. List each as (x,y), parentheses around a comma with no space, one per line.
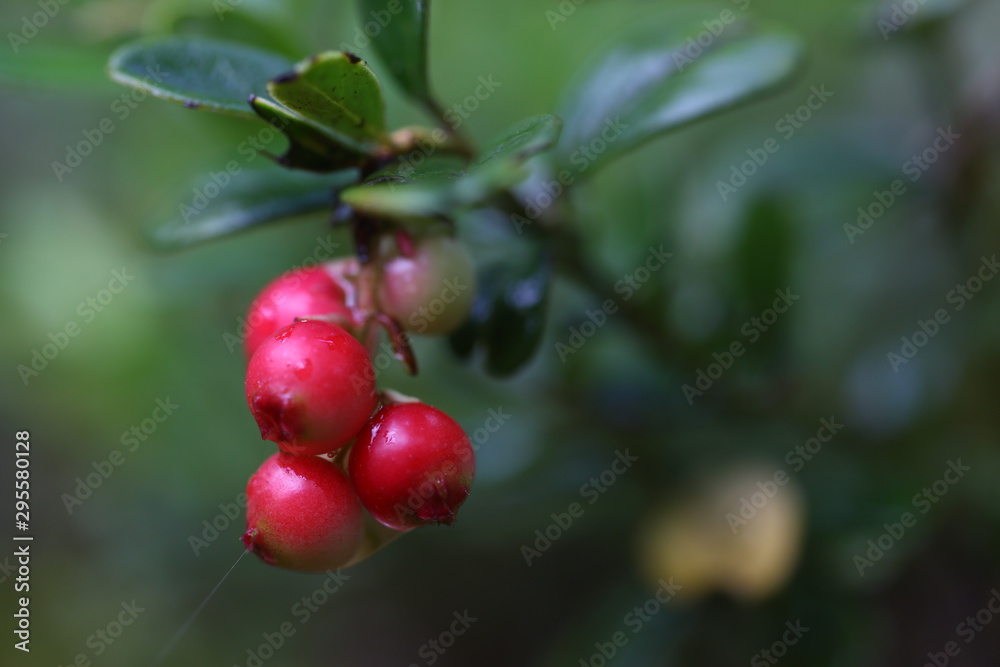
(412,465)
(431,291)
(311,387)
(302,514)
(317,290)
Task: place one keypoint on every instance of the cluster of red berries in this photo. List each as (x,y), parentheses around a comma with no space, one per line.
(348,453)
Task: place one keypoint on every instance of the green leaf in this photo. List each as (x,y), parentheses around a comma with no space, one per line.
(515,329)
(338,92)
(656,78)
(463,340)
(529,137)
(762,263)
(250,199)
(402,192)
(508,315)
(763,254)
(934,14)
(499,165)
(197,72)
(402,42)
(437,190)
(310,146)
(502,164)
(266,25)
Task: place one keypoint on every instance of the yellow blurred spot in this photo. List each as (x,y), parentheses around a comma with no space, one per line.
(695,539)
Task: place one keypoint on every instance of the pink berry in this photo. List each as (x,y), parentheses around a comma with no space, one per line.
(318,290)
(430,291)
(411,466)
(311,387)
(302,514)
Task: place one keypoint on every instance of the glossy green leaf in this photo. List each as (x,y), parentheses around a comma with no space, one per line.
(401,41)
(515,329)
(508,315)
(529,137)
(463,340)
(500,164)
(248,200)
(434,190)
(656,78)
(198,72)
(338,92)
(396,200)
(438,168)
(310,146)
(405,192)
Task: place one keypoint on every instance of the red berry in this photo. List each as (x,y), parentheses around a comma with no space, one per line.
(317,290)
(302,514)
(431,289)
(411,466)
(311,387)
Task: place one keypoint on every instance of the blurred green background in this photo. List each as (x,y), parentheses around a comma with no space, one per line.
(162,338)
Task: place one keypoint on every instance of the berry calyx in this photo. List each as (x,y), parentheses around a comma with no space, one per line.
(302,514)
(428,287)
(311,387)
(318,290)
(412,465)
